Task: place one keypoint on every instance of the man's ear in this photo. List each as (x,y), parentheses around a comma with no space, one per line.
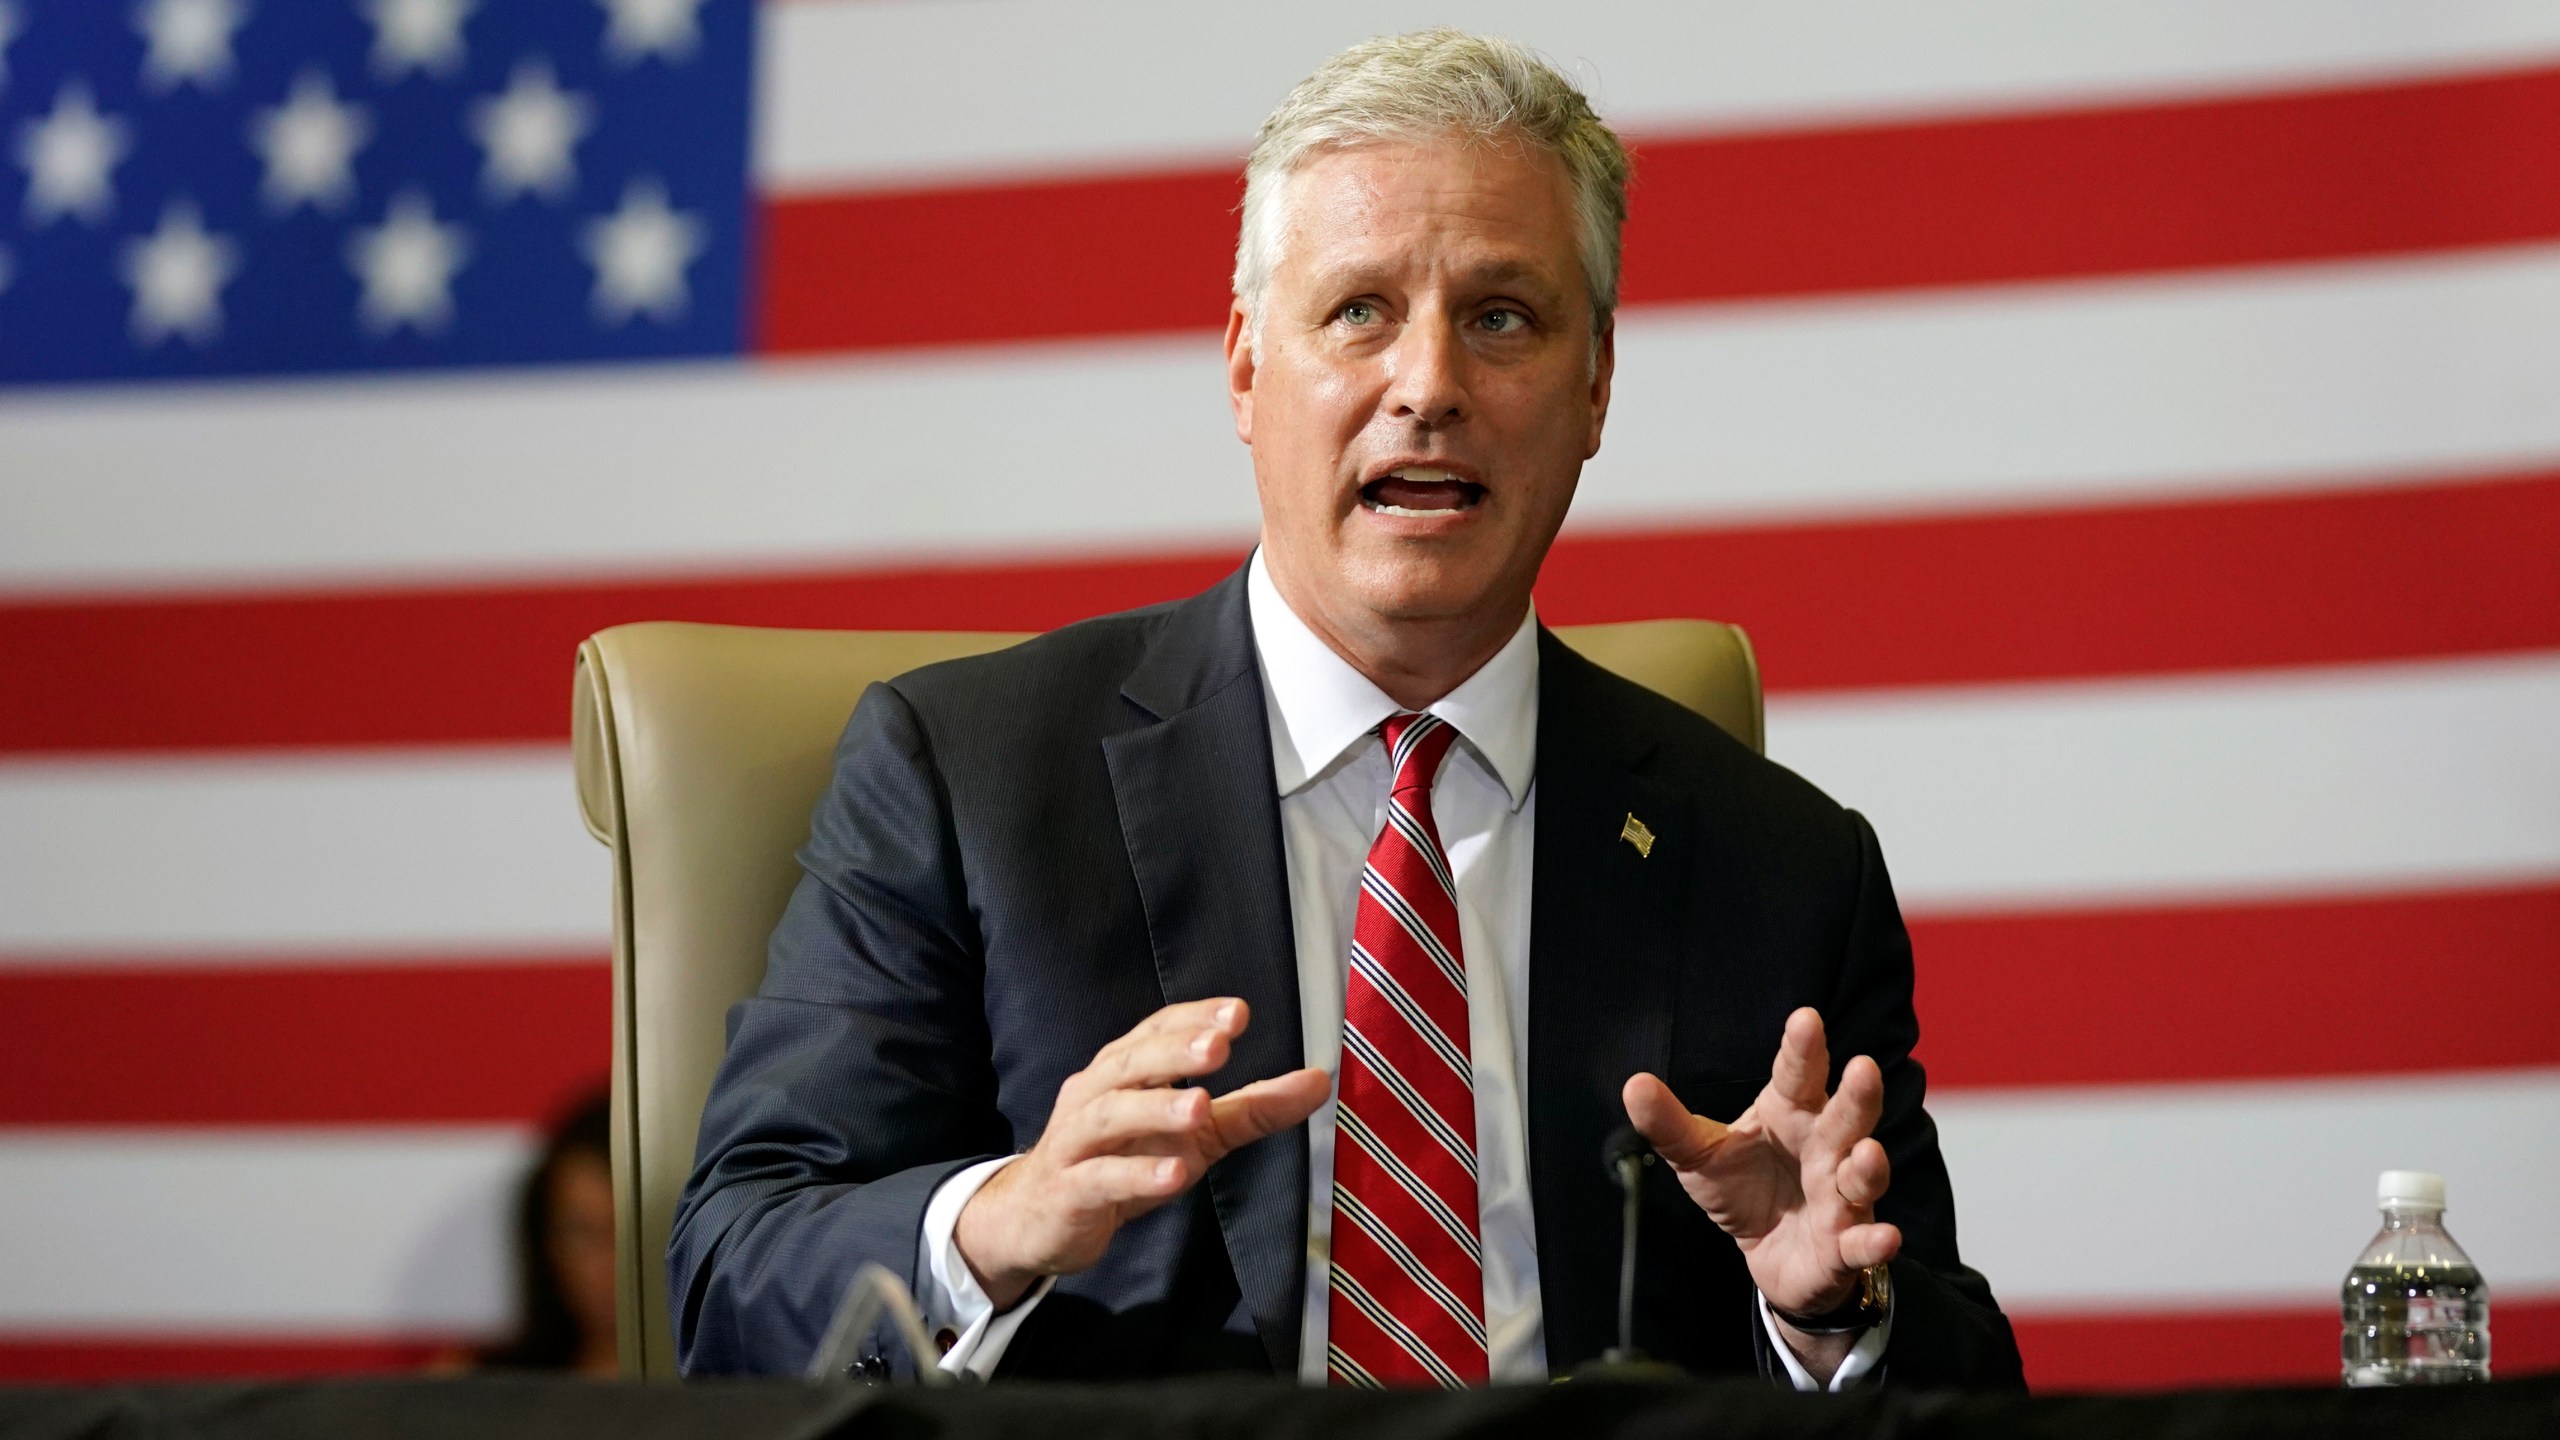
(1240,365)
(1604,368)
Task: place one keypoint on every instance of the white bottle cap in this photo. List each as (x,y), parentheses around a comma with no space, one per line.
(2409,1189)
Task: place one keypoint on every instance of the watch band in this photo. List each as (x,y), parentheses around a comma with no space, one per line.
(1864,1311)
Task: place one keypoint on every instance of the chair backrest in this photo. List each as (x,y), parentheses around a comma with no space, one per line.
(701,750)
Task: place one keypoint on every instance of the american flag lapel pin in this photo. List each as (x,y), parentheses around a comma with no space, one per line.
(1635,832)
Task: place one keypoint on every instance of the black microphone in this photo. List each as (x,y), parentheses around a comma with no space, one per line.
(1626,1155)
(875,1294)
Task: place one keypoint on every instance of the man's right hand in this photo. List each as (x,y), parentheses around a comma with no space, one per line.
(1122,1140)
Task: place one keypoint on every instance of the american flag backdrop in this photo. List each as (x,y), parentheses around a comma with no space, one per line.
(2130,430)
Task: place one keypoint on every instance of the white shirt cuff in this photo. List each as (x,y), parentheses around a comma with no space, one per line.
(1861,1362)
(950,1296)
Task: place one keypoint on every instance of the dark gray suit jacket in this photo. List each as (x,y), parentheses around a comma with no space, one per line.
(1025,854)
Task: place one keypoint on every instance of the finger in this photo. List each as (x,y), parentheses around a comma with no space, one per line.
(1222,1013)
(1852,1113)
(1161,1057)
(1803,1067)
(1865,1245)
(1266,1107)
(1679,1137)
(1118,1182)
(1863,1176)
(1218,1012)
(1117,1120)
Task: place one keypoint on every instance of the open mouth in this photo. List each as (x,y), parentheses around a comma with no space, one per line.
(1419,490)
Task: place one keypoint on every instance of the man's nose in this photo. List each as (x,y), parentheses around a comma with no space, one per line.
(1427,381)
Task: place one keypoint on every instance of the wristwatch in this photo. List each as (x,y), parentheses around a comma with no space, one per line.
(1864,1311)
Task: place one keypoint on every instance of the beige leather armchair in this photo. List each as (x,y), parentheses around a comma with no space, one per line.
(701,750)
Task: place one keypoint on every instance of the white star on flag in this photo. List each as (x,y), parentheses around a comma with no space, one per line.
(639,253)
(189,40)
(310,144)
(69,155)
(422,35)
(639,29)
(407,264)
(177,275)
(528,131)
(11,22)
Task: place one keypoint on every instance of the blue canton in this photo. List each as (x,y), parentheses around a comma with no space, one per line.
(235,187)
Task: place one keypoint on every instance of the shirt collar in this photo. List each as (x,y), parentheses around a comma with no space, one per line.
(1321,709)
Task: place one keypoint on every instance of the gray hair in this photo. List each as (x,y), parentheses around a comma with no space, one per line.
(1425,85)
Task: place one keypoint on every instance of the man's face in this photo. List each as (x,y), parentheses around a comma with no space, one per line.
(1426,390)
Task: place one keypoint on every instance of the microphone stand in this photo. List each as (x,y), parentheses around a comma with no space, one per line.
(873,1293)
(1626,1156)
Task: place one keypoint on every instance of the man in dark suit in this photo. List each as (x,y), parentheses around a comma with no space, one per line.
(1252,982)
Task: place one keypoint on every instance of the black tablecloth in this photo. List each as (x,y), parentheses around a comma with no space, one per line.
(1228,1410)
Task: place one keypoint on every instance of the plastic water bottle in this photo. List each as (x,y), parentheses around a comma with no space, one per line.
(2413,1310)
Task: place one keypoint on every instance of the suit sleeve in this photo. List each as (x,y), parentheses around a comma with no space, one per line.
(1947,1329)
(856,1080)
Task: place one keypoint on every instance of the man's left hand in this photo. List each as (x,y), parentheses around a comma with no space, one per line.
(1795,1178)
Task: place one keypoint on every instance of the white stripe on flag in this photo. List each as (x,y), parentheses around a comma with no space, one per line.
(2029,395)
(2171,1197)
(360,1230)
(2052,394)
(2264,782)
(2200,1195)
(460,849)
(2254,783)
(1127,83)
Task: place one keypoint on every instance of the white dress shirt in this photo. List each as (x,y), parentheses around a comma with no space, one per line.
(1333,779)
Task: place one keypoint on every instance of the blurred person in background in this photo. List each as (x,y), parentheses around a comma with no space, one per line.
(564,1254)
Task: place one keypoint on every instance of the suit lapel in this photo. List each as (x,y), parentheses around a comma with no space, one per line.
(1200,815)
(1605,926)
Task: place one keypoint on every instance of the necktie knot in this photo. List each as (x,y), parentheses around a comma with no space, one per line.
(1417,742)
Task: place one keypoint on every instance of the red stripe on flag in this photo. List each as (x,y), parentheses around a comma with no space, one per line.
(2456,568)
(2448,568)
(68,1357)
(2320,174)
(1119,256)
(2368,170)
(2291,1345)
(302,1044)
(2219,992)
(488,662)
(2082,998)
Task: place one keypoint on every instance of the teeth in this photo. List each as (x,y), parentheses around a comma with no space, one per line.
(1417,475)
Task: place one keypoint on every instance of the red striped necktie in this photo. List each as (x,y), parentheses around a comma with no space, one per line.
(1408,1267)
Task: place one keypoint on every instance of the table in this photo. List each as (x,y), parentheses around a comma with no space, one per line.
(422,1409)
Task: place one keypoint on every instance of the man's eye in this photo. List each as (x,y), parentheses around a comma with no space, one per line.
(1503,322)
(1359,312)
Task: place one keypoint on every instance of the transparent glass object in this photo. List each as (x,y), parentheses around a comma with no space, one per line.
(2414,1310)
